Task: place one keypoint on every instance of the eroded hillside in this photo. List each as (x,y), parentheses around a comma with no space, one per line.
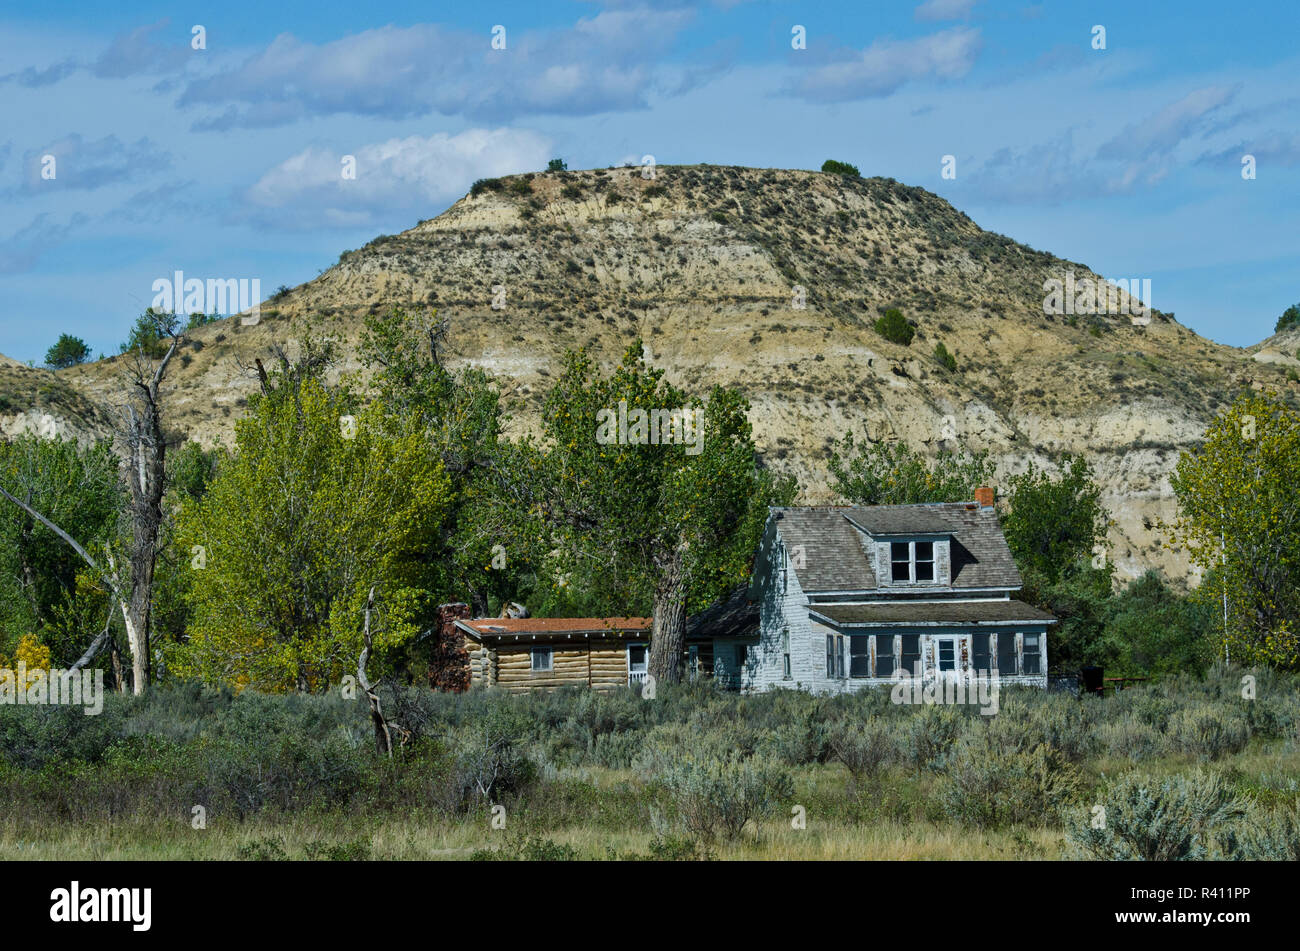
(702,263)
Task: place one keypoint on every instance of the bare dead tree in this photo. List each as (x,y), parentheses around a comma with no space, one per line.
(383,738)
(146,449)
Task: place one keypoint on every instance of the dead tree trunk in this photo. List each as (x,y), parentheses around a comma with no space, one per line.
(146,455)
(147,449)
(668,626)
(383,738)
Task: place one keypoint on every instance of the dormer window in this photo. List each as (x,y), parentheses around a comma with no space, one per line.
(911,562)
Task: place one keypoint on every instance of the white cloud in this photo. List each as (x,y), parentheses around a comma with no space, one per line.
(411,177)
(933,10)
(83,164)
(886,65)
(605,62)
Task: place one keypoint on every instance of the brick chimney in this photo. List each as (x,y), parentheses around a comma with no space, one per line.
(984,496)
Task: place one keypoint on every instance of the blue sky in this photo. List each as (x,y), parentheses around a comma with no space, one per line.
(224,162)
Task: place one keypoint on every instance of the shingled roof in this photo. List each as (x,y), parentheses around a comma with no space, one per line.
(893,613)
(833,539)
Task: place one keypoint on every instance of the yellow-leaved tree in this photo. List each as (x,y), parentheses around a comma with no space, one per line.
(1239,518)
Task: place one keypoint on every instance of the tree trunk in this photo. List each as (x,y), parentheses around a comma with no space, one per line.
(668,626)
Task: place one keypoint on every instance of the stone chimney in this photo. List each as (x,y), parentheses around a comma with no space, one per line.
(984,496)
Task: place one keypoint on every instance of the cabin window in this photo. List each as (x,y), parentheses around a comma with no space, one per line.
(982,654)
(1032,654)
(693,661)
(742,657)
(542,659)
(1007,654)
(911,655)
(636,658)
(911,561)
(785,653)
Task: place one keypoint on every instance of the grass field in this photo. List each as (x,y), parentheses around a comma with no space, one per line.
(1184,769)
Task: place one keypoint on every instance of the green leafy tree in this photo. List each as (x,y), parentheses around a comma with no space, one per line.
(1151,629)
(42,588)
(867,473)
(319,503)
(677,522)
(1290,318)
(557,165)
(1239,512)
(491,542)
(840,168)
(893,326)
(1055,525)
(67,351)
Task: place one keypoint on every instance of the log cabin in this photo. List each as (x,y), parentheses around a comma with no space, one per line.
(520,654)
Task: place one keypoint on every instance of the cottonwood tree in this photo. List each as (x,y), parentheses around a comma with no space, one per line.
(883,473)
(144,472)
(321,501)
(490,540)
(680,521)
(1239,517)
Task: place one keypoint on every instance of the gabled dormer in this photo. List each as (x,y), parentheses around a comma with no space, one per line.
(914,551)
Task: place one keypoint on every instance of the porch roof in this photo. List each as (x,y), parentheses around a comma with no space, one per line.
(933,613)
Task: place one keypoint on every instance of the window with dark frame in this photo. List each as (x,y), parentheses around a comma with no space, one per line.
(947,653)
(900,560)
(911,654)
(884,655)
(860,655)
(1006,654)
(1031,654)
(924,561)
(911,562)
(982,654)
(542,659)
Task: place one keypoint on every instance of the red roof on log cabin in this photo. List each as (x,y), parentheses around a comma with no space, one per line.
(502,626)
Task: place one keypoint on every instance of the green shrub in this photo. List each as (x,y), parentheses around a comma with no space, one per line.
(1266,836)
(840,168)
(893,326)
(526,848)
(1209,731)
(946,359)
(67,351)
(717,796)
(1290,318)
(989,786)
(1177,818)
(864,748)
(557,165)
(486,184)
